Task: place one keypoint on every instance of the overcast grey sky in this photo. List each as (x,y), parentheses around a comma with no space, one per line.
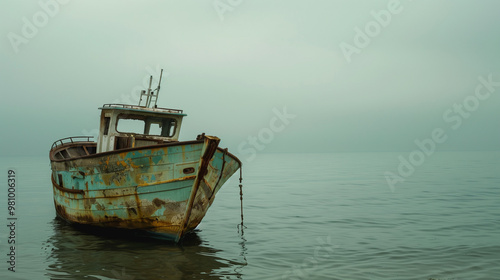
(356,75)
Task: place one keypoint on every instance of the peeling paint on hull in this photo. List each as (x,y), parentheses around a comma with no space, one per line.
(164,189)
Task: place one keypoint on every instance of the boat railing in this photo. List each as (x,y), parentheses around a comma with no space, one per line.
(74,139)
(137,107)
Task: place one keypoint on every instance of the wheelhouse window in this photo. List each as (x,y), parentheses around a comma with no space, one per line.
(154,126)
(160,127)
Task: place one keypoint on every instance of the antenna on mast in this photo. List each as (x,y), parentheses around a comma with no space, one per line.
(158,88)
(150,94)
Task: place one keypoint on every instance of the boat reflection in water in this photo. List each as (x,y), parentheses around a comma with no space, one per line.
(90,253)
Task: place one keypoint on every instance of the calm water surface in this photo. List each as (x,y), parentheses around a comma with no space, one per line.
(307,216)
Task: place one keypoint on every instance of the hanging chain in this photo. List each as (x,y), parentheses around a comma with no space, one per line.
(243,240)
(241,200)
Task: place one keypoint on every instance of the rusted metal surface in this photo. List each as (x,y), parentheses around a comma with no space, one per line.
(140,188)
(209,148)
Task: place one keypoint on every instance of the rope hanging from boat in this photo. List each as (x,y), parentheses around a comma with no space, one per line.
(241,201)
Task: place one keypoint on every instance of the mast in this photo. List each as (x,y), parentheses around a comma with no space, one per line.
(150,94)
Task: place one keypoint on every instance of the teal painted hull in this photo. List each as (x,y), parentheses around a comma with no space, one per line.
(165,190)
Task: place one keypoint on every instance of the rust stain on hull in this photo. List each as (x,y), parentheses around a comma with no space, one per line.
(143,189)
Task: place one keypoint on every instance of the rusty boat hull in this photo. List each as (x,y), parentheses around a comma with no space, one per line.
(163,189)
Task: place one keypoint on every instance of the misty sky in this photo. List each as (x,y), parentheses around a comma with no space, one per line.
(352,75)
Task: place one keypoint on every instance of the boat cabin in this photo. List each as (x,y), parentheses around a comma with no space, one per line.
(128,126)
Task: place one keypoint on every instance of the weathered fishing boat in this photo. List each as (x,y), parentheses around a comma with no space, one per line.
(138,175)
